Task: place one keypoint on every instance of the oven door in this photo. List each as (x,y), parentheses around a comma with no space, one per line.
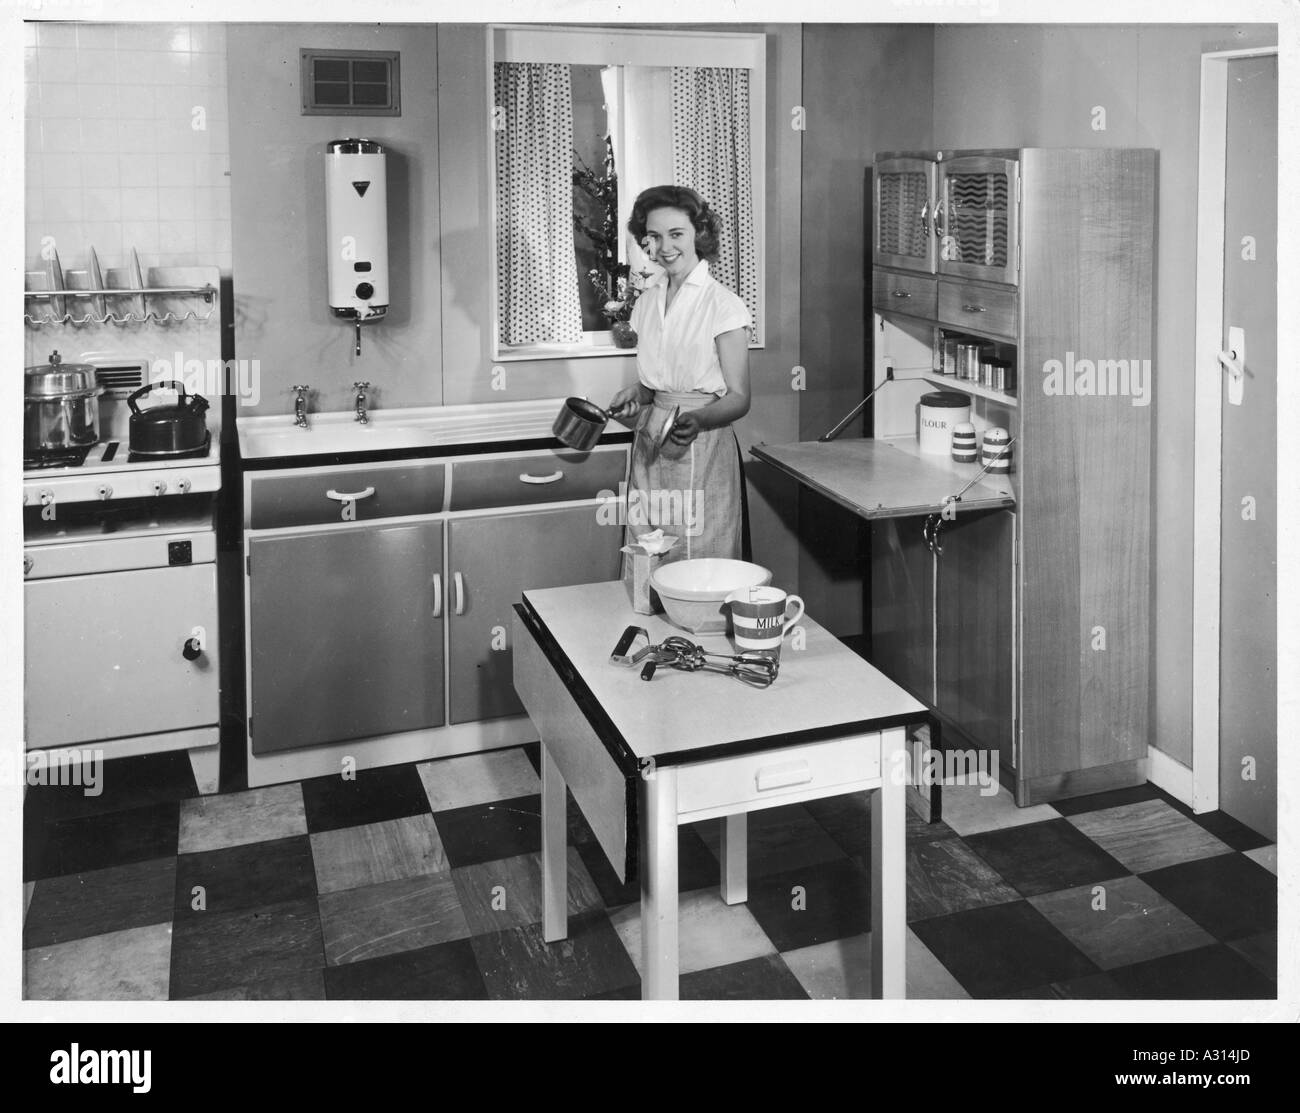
(106,654)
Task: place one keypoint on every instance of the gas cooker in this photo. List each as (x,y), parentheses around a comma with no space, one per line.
(109,472)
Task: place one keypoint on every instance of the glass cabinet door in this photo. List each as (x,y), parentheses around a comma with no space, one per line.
(904,225)
(977,218)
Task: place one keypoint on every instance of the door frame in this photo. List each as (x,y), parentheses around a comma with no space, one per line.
(1207,473)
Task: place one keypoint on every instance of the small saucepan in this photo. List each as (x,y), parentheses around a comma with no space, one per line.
(580,424)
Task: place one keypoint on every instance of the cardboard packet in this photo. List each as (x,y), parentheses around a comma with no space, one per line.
(645,555)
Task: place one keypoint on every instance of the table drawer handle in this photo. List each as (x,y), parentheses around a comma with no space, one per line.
(554,477)
(783,776)
(349,496)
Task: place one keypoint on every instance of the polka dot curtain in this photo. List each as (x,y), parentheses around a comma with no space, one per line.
(711,155)
(537,283)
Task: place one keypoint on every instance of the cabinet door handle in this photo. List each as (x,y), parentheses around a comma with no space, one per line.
(902,293)
(437,595)
(973,308)
(458,582)
(552,478)
(349,496)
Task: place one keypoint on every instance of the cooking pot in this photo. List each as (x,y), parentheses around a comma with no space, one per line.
(60,406)
(580,423)
(168,430)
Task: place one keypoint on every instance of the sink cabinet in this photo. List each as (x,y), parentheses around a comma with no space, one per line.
(378,598)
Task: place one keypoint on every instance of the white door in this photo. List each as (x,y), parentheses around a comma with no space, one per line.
(1248,572)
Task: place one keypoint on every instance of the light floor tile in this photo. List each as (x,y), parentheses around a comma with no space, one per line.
(841,969)
(131,965)
(396,916)
(968,811)
(259,815)
(1148,836)
(709,932)
(458,782)
(376,852)
(1120,922)
(1266,856)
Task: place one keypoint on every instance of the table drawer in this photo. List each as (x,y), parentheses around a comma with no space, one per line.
(772,777)
(551,475)
(315,496)
(903,293)
(975,308)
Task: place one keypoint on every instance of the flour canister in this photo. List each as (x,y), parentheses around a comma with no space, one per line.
(940,412)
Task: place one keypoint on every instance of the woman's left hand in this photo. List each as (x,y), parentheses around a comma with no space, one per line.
(685,429)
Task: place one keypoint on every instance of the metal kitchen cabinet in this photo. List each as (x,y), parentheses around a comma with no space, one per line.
(491,560)
(346,633)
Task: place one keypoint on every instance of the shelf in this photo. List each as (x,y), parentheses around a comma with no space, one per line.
(208,293)
(965,386)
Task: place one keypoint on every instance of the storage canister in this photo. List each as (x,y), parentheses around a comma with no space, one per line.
(964,449)
(948,350)
(939,413)
(997,451)
(968,362)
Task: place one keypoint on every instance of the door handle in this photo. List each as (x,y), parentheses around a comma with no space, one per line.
(458,583)
(349,496)
(555,476)
(437,595)
(1234,362)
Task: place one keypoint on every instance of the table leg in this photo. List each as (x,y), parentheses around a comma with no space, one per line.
(658,862)
(889,869)
(555,912)
(735,859)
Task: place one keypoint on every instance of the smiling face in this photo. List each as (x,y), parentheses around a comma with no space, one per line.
(670,241)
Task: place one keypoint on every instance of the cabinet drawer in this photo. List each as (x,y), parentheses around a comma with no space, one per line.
(974,308)
(776,776)
(903,293)
(551,475)
(315,496)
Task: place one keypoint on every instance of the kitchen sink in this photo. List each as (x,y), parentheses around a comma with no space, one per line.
(328,433)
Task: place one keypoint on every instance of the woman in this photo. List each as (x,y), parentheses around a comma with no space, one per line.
(692,357)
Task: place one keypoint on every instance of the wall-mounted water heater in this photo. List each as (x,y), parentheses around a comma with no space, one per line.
(356,228)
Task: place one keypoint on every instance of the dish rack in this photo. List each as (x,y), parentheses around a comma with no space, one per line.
(62,315)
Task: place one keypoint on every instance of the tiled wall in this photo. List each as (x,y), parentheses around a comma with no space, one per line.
(114,158)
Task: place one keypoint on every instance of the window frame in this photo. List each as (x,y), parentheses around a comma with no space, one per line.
(307,57)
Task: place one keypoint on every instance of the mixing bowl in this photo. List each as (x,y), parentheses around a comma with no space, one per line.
(693,592)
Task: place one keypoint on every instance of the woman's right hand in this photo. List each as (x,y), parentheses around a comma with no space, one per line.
(627,402)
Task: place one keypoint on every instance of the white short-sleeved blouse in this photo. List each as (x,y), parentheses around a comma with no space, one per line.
(675,351)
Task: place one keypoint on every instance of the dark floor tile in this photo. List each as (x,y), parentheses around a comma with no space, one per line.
(579,830)
(1214,973)
(403,915)
(485,832)
(998,950)
(778,839)
(847,819)
(98,842)
(1091,987)
(309,985)
(80,905)
(766,978)
(1113,799)
(1260,951)
(508,892)
(444,972)
(236,878)
(517,964)
(124,783)
(1042,857)
(218,950)
(1228,895)
(376,795)
(812,904)
(1235,833)
(946,876)
(697,868)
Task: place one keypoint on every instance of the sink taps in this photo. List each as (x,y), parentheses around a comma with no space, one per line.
(300,406)
(362,416)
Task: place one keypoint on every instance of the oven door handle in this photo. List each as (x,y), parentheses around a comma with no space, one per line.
(349,496)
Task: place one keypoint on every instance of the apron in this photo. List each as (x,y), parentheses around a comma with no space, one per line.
(695,492)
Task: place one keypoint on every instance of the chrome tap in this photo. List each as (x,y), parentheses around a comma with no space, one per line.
(361,389)
(300,406)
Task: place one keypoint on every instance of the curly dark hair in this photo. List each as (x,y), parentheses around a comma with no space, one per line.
(707,224)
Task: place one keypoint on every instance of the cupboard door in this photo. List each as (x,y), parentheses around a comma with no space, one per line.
(904,225)
(902,605)
(978,223)
(491,561)
(975,631)
(345,634)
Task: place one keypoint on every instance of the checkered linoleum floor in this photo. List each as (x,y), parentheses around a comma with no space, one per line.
(424,882)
